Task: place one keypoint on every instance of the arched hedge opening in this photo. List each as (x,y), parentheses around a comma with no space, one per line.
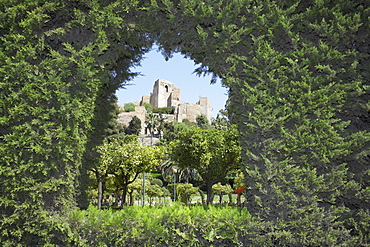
(299,93)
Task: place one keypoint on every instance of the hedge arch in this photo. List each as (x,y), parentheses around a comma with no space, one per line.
(299,93)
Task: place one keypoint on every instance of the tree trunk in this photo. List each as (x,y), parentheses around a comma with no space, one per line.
(201,196)
(230,198)
(209,192)
(100,193)
(124,193)
(131,197)
(238,200)
(220,198)
(117,198)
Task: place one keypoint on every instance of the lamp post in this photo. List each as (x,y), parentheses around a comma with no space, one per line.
(174,183)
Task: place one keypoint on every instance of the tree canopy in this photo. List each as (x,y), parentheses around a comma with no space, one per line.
(202,122)
(211,152)
(127,159)
(134,126)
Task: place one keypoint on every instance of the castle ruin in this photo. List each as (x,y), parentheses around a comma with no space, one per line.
(165,94)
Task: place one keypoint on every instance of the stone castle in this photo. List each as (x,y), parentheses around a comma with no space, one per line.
(165,94)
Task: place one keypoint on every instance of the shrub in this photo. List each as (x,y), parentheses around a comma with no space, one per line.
(157,182)
(148,107)
(129,107)
(160,226)
(163,110)
(185,191)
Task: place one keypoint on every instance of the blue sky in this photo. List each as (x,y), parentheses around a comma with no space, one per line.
(179,71)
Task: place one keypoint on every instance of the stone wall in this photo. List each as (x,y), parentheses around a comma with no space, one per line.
(124,118)
(165,94)
(188,111)
(145,99)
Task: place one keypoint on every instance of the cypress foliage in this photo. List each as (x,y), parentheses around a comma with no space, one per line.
(297,95)
(298,91)
(59,61)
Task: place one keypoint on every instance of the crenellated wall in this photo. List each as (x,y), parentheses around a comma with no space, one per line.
(165,94)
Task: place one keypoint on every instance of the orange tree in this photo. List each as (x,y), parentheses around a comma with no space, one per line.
(126,160)
(211,152)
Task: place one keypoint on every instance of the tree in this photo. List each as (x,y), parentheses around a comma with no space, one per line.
(129,107)
(212,153)
(157,182)
(134,126)
(171,130)
(148,107)
(135,187)
(106,131)
(113,130)
(220,122)
(105,128)
(126,160)
(202,122)
(152,124)
(102,169)
(185,191)
(169,169)
(154,190)
(161,121)
(221,190)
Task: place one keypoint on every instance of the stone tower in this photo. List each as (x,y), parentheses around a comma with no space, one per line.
(205,108)
(164,94)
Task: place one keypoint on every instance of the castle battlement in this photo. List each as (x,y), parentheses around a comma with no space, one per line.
(165,94)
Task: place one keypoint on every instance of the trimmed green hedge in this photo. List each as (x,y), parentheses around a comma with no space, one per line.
(180,225)
(160,226)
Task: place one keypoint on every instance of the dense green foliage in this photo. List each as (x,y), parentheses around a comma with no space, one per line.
(134,126)
(220,122)
(61,63)
(202,122)
(171,130)
(161,226)
(163,110)
(129,107)
(148,107)
(212,153)
(185,191)
(222,190)
(126,160)
(297,73)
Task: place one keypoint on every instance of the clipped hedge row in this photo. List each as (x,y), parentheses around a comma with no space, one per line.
(160,226)
(180,225)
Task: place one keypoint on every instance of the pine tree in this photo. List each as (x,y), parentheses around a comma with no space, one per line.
(134,126)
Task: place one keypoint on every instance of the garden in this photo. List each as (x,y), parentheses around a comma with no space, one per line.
(297,124)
